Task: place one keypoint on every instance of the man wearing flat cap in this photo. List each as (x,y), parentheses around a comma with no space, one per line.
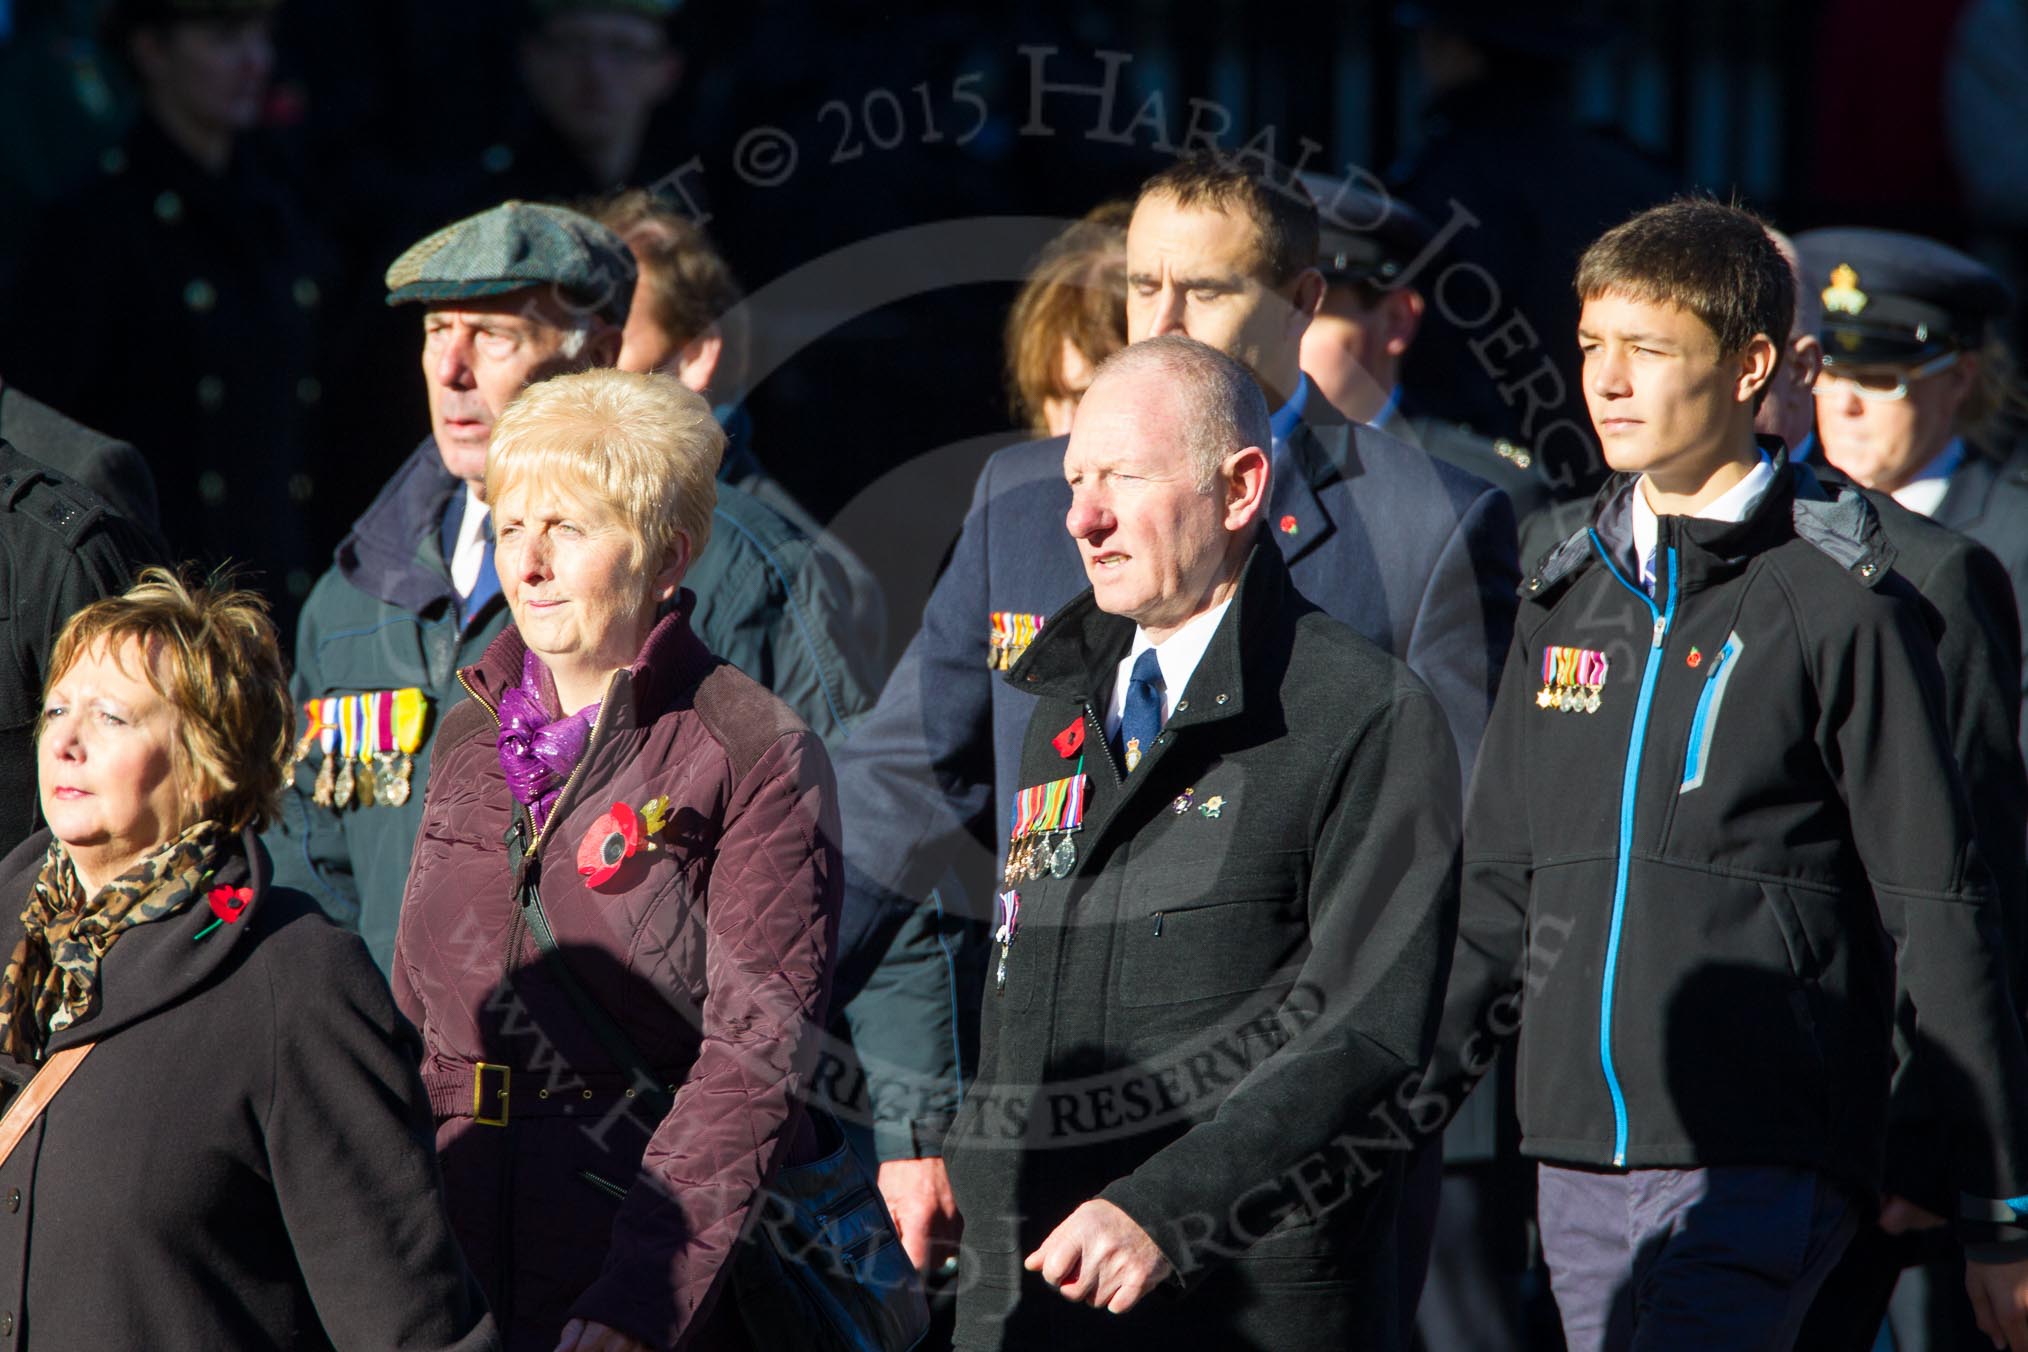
(508,297)
(1916,381)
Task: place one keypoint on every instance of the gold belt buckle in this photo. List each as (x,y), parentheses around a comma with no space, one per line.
(479,1093)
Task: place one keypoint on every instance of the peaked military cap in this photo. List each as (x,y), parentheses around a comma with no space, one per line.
(1363,236)
(515,246)
(1890,297)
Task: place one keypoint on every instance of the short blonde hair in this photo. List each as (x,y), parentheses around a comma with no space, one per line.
(642,446)
(209,651)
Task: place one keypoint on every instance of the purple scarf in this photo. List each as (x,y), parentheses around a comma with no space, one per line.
(538,752)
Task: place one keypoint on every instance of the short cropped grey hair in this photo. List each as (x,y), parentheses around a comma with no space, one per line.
(1223,410)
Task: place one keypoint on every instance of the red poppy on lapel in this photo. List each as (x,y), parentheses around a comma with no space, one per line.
(612,841)
(1071,740)
(229,903)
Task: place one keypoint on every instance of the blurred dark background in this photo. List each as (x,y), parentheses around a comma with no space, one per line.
(383,119)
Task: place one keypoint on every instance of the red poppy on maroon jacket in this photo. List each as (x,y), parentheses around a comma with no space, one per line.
(703,926)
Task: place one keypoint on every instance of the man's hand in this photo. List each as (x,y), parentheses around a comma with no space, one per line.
(582,1335)
(1999,1293)
(1899,1216)
(918,1196)
(1100,1257)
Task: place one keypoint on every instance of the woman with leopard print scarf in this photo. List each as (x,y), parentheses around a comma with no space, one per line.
(243,1158)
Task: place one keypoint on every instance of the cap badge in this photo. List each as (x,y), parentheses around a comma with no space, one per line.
(1843,294)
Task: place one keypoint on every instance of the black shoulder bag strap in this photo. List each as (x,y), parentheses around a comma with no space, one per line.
(869,1300)
(528,894)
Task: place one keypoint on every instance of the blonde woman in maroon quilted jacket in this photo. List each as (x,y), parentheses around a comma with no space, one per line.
(675,824)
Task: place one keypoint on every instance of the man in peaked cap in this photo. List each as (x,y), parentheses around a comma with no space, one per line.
(1372,249)
(1915,382)
(513,295)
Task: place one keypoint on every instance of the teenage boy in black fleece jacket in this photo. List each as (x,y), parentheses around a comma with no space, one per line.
(1715,815)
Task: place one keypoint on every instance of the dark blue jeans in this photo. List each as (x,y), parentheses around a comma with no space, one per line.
(1671,1260)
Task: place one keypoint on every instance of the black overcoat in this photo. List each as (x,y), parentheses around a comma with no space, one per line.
(243,1160)
(1207,1021)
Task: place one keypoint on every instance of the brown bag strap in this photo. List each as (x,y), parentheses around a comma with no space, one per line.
(36,1094)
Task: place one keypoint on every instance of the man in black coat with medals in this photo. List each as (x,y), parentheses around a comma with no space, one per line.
(1224,922)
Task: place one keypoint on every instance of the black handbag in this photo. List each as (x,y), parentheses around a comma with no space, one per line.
(820,1266)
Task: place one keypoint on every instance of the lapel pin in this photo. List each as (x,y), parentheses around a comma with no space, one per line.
(228,904)
(1071,740)
(1290,525)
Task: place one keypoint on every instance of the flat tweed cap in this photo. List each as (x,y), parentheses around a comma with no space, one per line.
(512,247)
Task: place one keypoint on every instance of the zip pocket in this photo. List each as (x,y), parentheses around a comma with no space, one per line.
(1703,723)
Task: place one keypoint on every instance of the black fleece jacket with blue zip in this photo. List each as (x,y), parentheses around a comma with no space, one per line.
(1707,831)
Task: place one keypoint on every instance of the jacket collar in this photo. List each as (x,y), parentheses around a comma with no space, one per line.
(1971,487)
(740,462)
(1076,652)
(1322,450)
(151,966)
(670,664)
(393,552)
(1837,520)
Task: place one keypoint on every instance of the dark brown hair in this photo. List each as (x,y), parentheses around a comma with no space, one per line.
(1282,212)
(690,285)
(1701,255)
(1076,293)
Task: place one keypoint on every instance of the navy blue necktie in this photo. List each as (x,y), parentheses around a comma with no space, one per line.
(487,586)
(1143,716)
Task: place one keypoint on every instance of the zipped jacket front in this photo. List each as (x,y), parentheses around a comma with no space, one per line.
(1707,827)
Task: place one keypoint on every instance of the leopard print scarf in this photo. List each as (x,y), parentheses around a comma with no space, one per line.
(53,977)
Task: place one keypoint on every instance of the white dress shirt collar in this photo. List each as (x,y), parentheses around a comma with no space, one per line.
(1177,655)
(1732,505)
(1925,492)
(470,553)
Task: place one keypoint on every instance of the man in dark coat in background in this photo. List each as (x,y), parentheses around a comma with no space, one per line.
(177,300)
(1230,892)
(61,548)
(1914,399)
(109,467)
(1517,188)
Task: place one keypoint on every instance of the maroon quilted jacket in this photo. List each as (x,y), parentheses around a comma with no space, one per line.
(709,945)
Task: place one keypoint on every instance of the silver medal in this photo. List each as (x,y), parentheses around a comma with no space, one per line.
(1063,858)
